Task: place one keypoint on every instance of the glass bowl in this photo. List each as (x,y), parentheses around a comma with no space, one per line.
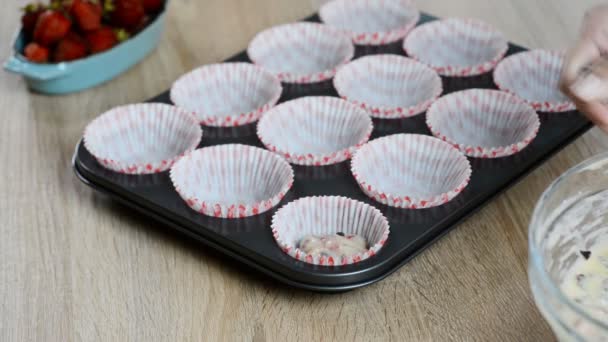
(570,217)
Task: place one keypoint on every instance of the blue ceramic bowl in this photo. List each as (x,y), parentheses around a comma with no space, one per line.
(68,77)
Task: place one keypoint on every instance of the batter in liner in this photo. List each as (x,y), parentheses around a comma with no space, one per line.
(337,245)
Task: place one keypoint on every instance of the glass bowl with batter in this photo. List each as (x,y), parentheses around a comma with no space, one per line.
(568,252)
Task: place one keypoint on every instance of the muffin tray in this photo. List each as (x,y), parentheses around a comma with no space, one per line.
(250,240)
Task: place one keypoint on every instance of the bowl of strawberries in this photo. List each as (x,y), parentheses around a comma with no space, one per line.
(71,45)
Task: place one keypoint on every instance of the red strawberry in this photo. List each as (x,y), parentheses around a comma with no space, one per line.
(103,39)
(70,48)
(152,6)
(36,53)
(142,24)
(31,13)
(51,27)
(126,13)
(87,13)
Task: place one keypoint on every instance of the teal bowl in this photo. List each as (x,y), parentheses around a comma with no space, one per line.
(69,77)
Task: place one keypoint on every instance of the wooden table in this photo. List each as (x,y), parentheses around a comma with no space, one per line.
(76,266)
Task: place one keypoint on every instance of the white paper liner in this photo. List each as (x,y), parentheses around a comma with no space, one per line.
(301,52)
(371,22)
(457,47)
(483,123)
(142,138)
(231,181)
(316,131)
(534,77)
(410,171)
(388,86)
(227,94)
(328,215)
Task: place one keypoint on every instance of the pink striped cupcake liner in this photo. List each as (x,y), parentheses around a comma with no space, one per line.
(301,52)
(368,22)
(142,138)
(231,181)
(483,123)
(328,215)
(534,77)
(227,94)
(457,47)
(410,171)
(315,131)
(388,86)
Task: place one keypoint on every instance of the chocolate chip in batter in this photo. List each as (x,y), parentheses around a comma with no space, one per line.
(581,279)
(586,254)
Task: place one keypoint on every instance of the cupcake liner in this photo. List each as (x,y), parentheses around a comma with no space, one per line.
(231,181)
(457,47)
(227,94)
(328,215)
(315,131)
(410,171)
(371,22)
(388,86)
(483,123)
(142,138)
(301,52)
(534,77)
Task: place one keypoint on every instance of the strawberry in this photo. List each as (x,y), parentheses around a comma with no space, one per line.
(36,53)
(87,14)
(126,13)
(70,48)
(51,27)
(152,6)
(31,13)
(142,24)
(100,40)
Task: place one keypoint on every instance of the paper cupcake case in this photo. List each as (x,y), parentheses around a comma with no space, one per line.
(315,131)
(483,123)
(457,47)
(328,215)
(534,77)
(388,86)
(142,138)
(227,94)
(371,22)
(301,52)
(410,171)
(231,181)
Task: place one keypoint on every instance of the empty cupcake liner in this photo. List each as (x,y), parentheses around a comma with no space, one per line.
(534,77)
(371,22)
(457,47)
(142,138)
(227,94)
(231,181)
(315,131)
(301,52)
(410,171)
(388,86)
(483,123)
(328,215)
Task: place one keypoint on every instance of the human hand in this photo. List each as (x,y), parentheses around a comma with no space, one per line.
(585,73)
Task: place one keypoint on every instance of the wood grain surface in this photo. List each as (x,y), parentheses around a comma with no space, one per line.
(75,266)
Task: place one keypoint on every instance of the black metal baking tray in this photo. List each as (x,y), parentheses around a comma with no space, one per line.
(250,240)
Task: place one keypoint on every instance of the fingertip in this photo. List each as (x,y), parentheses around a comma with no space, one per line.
(589,88)
(596,112)
(577,58)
